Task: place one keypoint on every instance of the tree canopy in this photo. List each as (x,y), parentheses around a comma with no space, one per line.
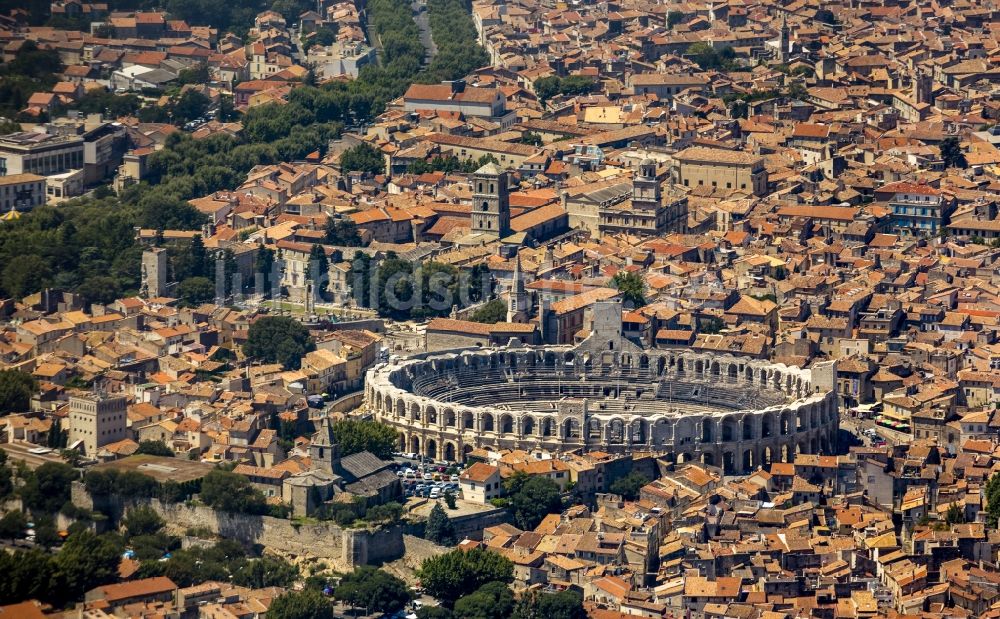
(48,487)
(628,487)
(632,287)
(539,605)
(951,153)
(86,561)
(194,291)
(354,436)
(231,492)
(491,312)
(494,600)
(530,499)
(373,589)
(305,604)
(993,500)
(440,529)
(362,158)
(13,525)
(16,389)
(342,231)
(450,575)
(570,86)
(155,448)
(708,58)
(278,339)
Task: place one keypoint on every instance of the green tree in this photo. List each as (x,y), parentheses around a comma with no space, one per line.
(227,111)
(16,389)
(231,492)
(570,86)
(323,36)
(826,16)
(46,534)
(538,605)
(796,90)
(28,575)
(266,571)
(360,281)
(449,500)
(433,612)
(305,604)
(993,499)
(189,106)
(708,58)
(57,437)
(141,520)
(24,275)
(362,158)
(13,525)
(531,138)
(711,325)
(373,589)
(440,529)
(493,600)
(155,448)
(954,515)
(390,512)
(547,87)
(278,339)
(319,265)
(48,487)
(197,74)
(86,561)
(6,477)
(159,210)
(951,153)
(628,487)
(127,484)
(450,575)
(491,312)
(354,436)
(342,231)
(632,287)
(9,126)
(264,264)
(674,18)
(195,291)
(530,499)
(101,289)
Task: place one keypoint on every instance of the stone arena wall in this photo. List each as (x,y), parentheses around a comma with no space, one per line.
(732,412)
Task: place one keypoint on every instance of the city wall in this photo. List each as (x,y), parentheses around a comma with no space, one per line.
(344,548)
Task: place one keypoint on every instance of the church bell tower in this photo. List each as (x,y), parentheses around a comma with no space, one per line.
(490,202)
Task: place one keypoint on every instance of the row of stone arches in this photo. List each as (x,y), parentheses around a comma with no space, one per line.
(708,429)
(734,460)
(792,381)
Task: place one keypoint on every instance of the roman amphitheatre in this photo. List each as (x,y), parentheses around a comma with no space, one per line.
(731,412)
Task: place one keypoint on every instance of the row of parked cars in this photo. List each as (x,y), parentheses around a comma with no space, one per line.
(427,478)
(432,490)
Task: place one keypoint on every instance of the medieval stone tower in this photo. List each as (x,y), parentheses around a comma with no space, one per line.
(154,272)
(490,202)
